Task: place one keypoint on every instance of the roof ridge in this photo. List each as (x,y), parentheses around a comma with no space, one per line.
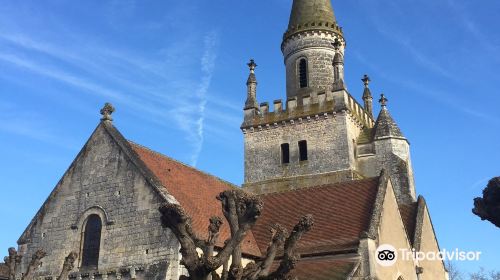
(182,163)
(319,186)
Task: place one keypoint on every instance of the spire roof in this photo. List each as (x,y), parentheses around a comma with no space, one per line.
(309,11)
(385,126)
(366,93)
(312,15)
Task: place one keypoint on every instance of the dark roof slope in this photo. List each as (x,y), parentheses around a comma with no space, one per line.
(385,126)
(341,213)
(409,216)
(196,192)
(322,268)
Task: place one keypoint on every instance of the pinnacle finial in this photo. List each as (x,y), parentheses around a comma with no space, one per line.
(252,65)
(383,100)
(337,44)
(107,111)
(366,80)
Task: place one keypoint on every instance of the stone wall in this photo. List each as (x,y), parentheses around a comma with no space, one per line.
(328,144)
(103,181)
(316,47)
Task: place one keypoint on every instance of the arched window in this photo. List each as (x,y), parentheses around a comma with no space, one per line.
(303,83)
(91,241)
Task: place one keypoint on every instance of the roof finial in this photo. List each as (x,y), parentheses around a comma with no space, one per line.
(383,100)
(337,44)
(366,80)
(107,111)
(252,66)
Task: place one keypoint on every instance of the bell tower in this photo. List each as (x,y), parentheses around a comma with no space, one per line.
(313,49)
(310,138)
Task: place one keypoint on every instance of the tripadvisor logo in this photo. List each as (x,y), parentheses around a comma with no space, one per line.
(387,255)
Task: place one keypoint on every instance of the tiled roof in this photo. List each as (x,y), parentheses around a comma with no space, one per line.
(196,192)
(341,213)
(322,269)
(409,216)
(4,271)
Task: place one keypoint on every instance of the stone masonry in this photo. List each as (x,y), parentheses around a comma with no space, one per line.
(103,181)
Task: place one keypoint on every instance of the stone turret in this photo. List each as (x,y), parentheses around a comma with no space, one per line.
(367,96)
(393,154)
(338,68)
(251,105)
(308,48)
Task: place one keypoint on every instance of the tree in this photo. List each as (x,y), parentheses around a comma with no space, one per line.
(14,259)
(241,210)
(68,265)
(485,275)
(453,271)
(488,207)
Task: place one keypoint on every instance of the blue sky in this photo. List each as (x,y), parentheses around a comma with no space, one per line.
(176,73)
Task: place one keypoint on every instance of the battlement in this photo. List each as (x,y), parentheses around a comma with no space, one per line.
(313,27)
(309,106)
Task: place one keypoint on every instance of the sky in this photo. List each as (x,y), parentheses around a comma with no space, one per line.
(176,73)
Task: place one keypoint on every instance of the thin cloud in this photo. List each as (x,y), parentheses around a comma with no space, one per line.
(191,118)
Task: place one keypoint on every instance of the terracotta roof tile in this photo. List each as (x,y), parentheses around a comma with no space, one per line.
(409,216)
(196,192)
(322,269)
(341,213)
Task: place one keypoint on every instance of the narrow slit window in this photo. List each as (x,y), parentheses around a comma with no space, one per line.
(303,150)
(285,153)
(303,73)
(91,242)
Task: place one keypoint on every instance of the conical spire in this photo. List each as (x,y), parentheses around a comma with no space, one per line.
(312,15)
(385,126)
(251,102)
(367,95)
(309,11)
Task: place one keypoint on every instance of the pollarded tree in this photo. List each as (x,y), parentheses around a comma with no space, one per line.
(241,210)
(488,206)
(14,259)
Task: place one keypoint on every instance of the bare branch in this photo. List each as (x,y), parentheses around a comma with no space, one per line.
(12,261)
(213,235)
(174,217)
(34,264)
(68,265)
(241,210)
(290,257)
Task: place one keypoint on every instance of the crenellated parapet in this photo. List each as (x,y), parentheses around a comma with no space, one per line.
(306,108)
(309,38)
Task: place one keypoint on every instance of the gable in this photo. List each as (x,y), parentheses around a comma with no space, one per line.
(104,181)
(391,231)
(426,241)
(104,133)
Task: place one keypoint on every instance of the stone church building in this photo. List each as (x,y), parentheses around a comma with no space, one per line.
(319,152)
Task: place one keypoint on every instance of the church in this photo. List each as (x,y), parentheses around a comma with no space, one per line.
(320,152)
